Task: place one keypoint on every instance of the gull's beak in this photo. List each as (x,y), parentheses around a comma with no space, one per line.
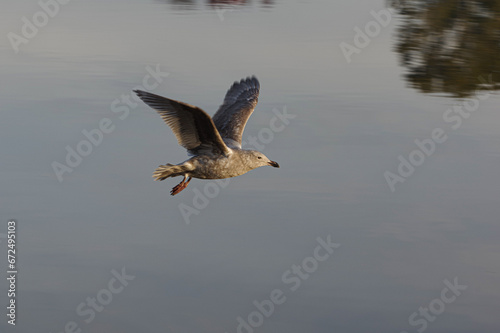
(274,164)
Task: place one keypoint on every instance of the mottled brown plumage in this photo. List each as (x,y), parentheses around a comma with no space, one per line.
(215,144)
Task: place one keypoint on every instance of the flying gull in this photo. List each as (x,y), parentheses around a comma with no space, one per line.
(214,143)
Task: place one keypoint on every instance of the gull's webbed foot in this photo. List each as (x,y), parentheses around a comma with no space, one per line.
(179,187)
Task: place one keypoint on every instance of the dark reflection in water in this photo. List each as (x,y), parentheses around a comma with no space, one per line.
(450,47)
(193,4)
(238,2)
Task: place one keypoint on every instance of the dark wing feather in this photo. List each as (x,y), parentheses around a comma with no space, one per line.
(192,126)
(239,103)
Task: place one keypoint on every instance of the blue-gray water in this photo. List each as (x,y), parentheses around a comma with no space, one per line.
(349,126)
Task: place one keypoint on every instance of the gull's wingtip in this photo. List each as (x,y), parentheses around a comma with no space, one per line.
(255,81)
(248,79)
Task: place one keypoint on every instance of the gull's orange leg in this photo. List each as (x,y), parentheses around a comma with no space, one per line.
(179,187)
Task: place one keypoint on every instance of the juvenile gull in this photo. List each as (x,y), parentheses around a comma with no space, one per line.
(214,143)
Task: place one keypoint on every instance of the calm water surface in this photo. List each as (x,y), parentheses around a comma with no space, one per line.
(417,224)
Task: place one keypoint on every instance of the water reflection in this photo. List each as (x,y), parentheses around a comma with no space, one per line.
(447,46)
(238,2)
(193,4)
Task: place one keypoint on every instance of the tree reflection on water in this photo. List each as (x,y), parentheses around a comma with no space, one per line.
(450,47)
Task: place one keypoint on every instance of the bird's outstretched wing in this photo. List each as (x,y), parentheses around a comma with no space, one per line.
(192,126)
(239,103)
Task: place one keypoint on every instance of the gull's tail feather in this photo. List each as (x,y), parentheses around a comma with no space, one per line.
(169,170)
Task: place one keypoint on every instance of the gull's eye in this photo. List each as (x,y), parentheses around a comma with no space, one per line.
(259,157)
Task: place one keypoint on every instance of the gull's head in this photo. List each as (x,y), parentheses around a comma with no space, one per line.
(256,159)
